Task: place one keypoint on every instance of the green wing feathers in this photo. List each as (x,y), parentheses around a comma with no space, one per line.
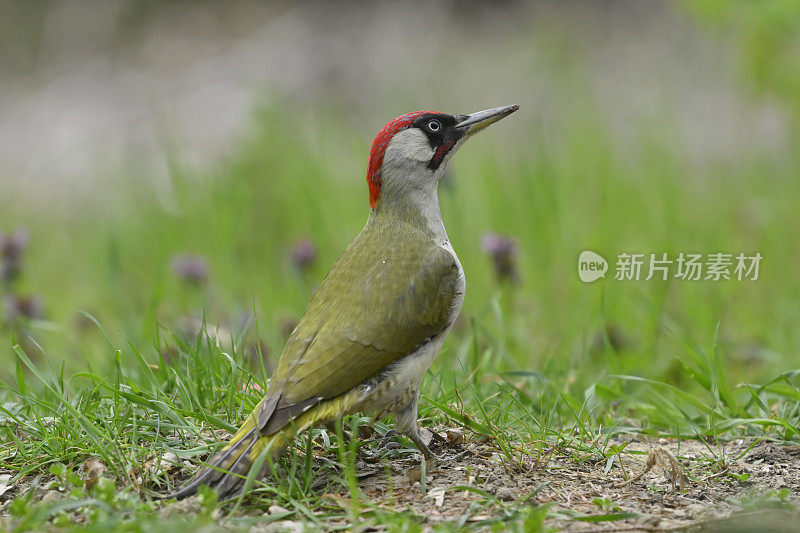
(382,298)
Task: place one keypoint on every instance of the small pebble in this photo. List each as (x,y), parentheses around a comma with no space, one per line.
(505,494)
(414,474)
(52,496)
(455,436)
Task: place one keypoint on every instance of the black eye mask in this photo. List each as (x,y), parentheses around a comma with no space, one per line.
(441,139)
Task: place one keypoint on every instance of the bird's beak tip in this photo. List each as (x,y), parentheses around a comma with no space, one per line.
(477,121)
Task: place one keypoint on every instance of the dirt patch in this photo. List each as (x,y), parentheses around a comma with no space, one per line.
(650,485)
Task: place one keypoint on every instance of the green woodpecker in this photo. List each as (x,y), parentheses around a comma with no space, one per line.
(377,321)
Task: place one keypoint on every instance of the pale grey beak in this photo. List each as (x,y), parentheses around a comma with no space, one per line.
(477,121)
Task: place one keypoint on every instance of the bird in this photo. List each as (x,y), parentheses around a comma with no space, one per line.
(376,322)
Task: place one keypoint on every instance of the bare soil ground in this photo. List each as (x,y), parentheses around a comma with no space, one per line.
(663,484)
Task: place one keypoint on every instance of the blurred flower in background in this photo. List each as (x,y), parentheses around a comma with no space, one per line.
(27,307)
(190,268)
(503,253)
(303,255)
(15,306)
(11,250)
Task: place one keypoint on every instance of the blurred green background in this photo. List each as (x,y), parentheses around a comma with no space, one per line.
(166,165)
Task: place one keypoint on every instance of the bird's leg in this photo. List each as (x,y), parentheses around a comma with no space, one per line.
(405,422)
(422,446)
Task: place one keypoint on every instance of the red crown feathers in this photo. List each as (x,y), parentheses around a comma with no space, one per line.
(378,149)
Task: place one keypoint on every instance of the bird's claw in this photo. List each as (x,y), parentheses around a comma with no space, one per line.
(386,444)
(423,448)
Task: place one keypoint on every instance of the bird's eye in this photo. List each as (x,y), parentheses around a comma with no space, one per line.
(434,125)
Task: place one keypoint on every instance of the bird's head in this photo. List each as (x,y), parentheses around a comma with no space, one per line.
(411,152)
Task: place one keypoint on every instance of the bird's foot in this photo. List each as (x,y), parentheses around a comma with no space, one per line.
(385,446)
(426,451)
(388,444)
